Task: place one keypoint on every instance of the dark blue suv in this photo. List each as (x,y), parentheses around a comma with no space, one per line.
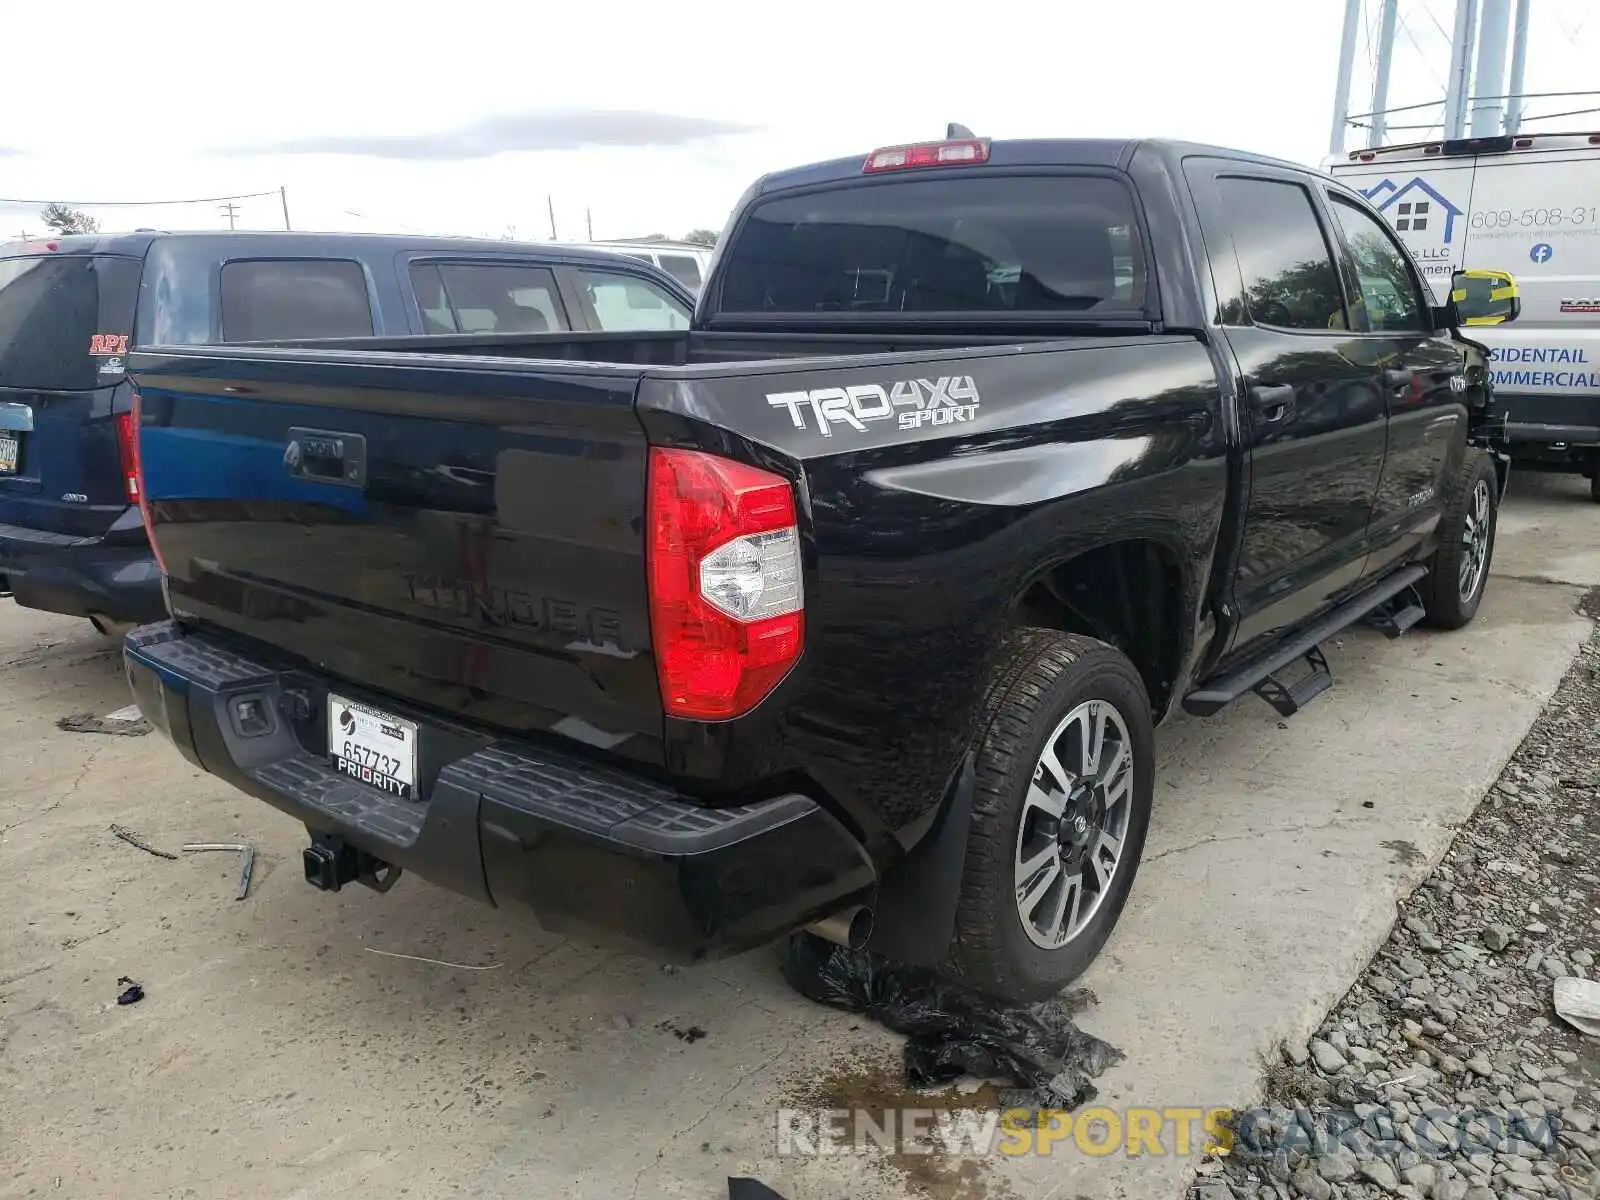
(71,539)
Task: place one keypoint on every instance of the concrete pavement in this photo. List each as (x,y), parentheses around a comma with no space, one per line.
(276,1056)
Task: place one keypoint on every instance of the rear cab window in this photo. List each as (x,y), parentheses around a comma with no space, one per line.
(273,299)
(65,320)
(460,297)
(979,244)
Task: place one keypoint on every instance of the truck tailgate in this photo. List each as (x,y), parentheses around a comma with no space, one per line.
(477,551)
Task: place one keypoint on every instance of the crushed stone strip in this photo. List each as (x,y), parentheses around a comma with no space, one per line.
(1444,1073)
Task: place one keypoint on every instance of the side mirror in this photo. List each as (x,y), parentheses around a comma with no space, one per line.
(1484,298)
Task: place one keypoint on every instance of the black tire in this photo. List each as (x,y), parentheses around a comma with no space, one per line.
(1449,603)
(1042,678)
(1594,480)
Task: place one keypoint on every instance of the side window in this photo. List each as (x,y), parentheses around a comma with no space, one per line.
(271,300)
(437,315)
(683,268)
(626,302)
(1289,275)
(487,298)
(1388,283)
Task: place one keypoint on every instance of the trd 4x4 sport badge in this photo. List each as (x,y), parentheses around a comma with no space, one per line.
(914,402)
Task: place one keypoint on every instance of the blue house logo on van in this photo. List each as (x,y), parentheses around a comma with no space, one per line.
(1415,207)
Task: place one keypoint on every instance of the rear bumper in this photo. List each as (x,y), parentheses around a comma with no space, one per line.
(586,846)
(81,576)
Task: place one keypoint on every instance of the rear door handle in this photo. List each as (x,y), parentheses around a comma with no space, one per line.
(1273,402)
(1397,379)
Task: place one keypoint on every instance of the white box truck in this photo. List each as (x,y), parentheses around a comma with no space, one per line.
(1529,205)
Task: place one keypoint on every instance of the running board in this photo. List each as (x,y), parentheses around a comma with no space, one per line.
(1222,690)
(1398,614)
(1288,699)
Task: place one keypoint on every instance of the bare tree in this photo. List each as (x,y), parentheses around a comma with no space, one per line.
(64,219)
(701,237)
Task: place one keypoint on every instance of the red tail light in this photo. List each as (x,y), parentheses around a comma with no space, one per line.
(133,472)
(957,152)
(726,603)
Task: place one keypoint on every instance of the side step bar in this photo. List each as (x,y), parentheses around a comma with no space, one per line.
(1287,699)
(1223,690)
(1397,614)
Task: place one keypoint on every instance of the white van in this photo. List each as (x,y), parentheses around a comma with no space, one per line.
(1529,205)
(687,262)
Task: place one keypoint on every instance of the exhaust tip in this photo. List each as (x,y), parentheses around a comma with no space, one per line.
(849,927)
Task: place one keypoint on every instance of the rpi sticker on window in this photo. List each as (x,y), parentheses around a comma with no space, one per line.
(102,344)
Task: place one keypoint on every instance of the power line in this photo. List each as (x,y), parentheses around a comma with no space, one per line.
(1417,46)
(138,203)
(1575,112)
(1427,8)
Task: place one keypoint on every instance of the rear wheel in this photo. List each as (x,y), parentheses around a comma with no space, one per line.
(1460,567)
(1064,787)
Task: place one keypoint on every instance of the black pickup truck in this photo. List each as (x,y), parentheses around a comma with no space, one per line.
(851,608)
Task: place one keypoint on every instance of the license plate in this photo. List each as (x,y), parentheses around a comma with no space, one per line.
(373,746)
(10,452)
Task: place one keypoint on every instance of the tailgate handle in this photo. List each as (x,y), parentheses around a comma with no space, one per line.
(327,456)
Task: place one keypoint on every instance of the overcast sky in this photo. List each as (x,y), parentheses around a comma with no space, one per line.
(462,118)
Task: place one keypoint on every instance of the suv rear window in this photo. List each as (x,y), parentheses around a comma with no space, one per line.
(65,320)
(970,244)
(272,299)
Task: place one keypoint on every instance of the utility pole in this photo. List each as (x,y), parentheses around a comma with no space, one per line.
(231,211)
(1455,105)
(1378,129)
(588,223)
(1489,79)
(283,196)
(1519,64)
(1347,58)
(550,203)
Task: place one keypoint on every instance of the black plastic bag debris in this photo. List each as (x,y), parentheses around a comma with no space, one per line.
(132,993)
(750,1189)
(953,1031)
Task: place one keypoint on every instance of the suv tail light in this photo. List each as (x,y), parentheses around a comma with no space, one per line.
(726,603)
(128,452)
(128,425)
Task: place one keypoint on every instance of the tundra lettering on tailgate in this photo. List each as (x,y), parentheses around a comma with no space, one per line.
(915,402)
(499,606)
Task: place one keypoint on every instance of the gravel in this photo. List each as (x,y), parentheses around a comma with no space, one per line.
(1443,1074)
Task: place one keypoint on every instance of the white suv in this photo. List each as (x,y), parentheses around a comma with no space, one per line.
(684,261)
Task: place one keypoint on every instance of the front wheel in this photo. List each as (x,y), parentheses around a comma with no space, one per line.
(1064,784)
(1460,568)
